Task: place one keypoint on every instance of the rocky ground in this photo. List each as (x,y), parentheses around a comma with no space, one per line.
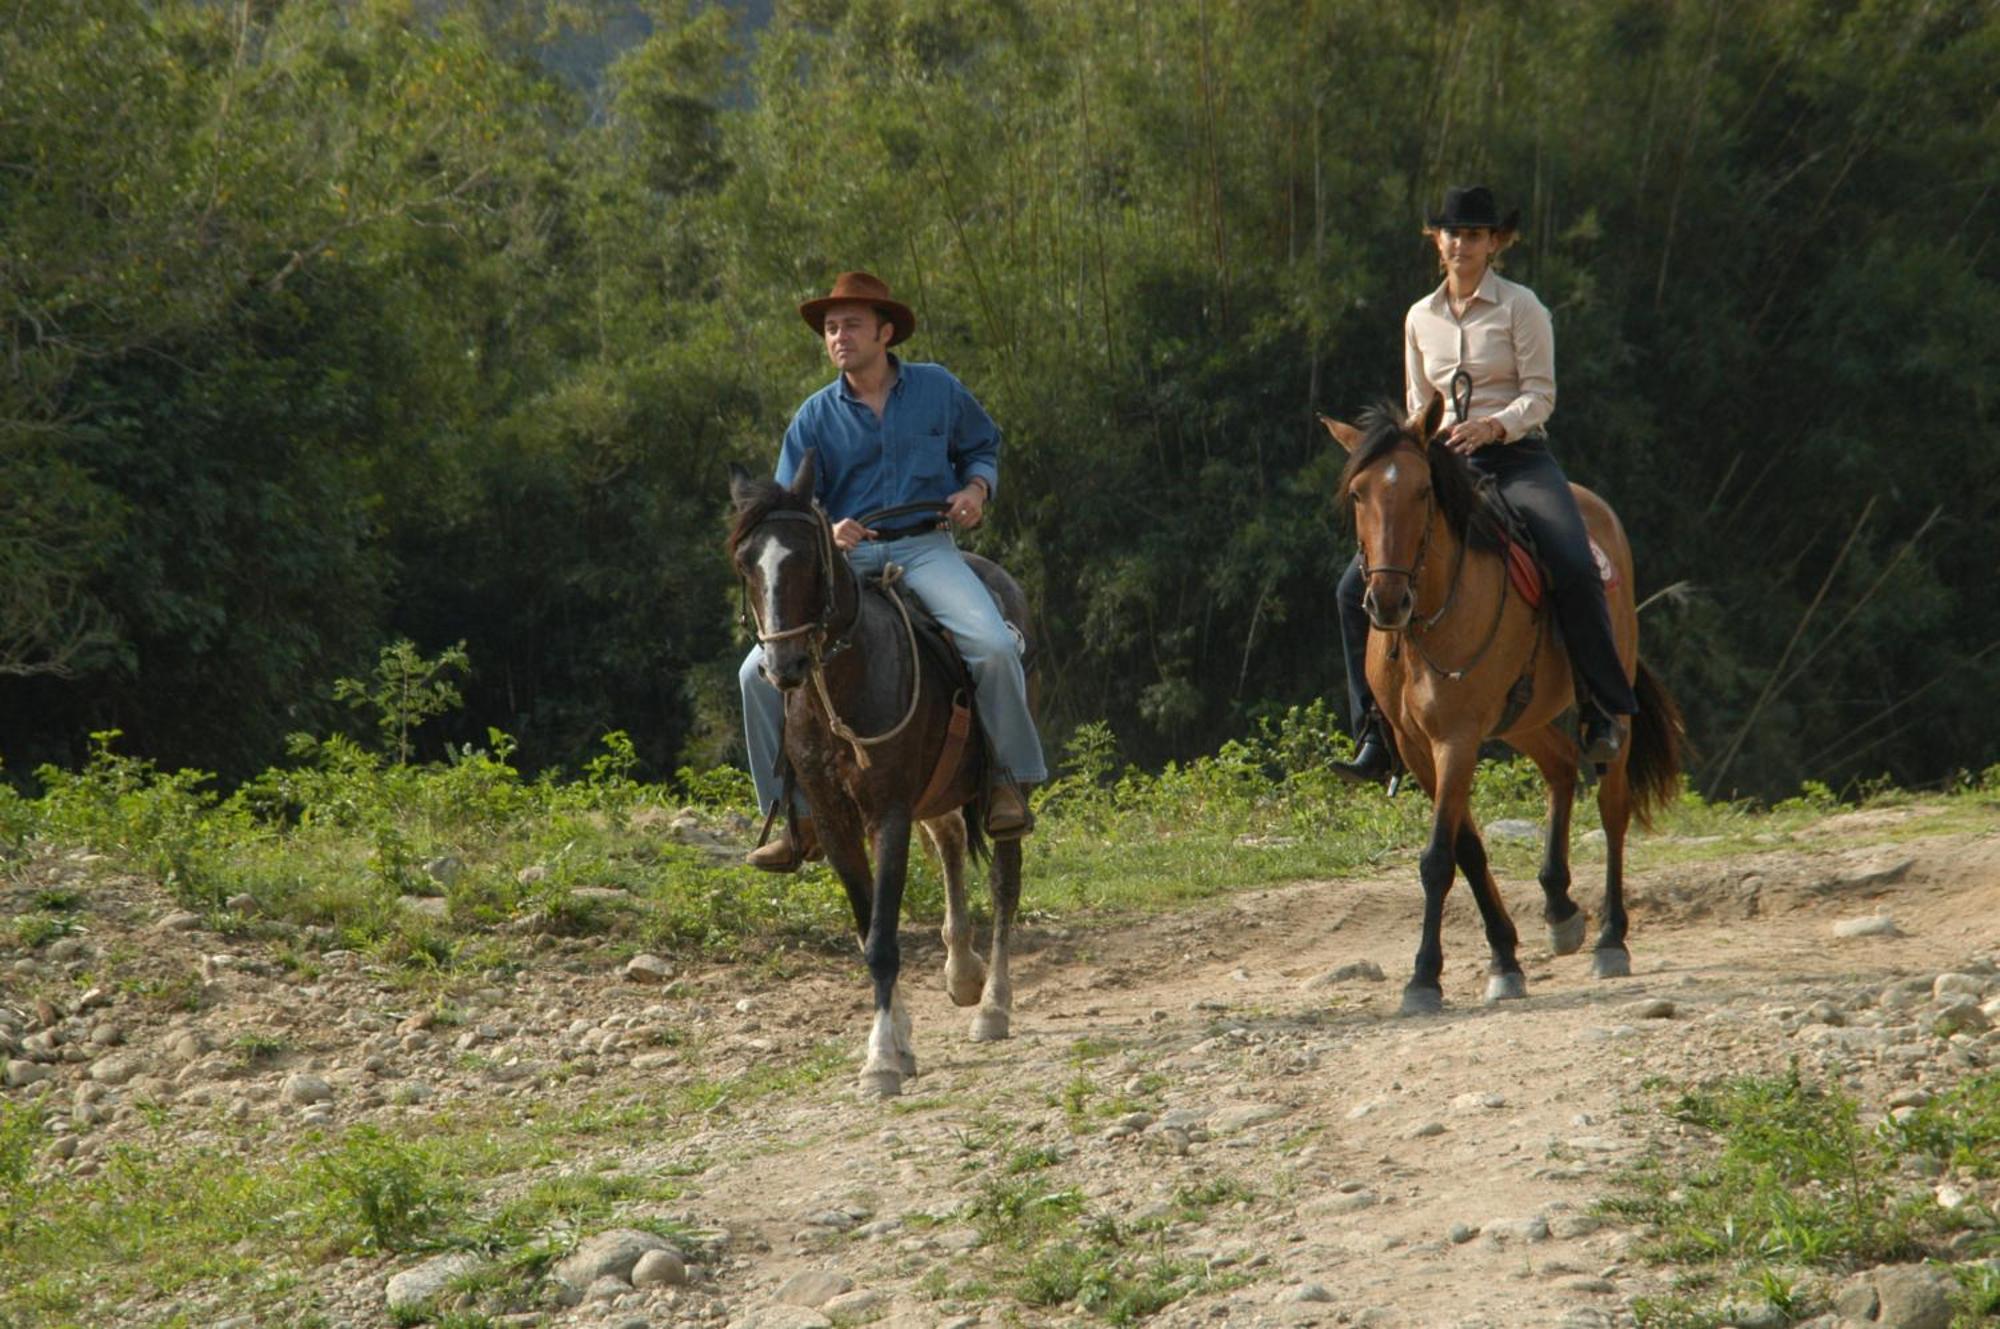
(1227,1091)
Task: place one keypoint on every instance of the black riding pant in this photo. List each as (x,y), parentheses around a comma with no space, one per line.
(1527,474)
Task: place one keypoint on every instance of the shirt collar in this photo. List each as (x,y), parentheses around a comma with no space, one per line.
(1489,291)
(895,387)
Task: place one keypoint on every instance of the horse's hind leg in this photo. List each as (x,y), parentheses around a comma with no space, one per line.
(889,1059)
(1555,756)
(964,971)
(996,1004)
(1610,959)
(1507,980)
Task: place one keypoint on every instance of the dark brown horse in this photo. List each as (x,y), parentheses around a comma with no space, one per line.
(1450,653)
(867,715)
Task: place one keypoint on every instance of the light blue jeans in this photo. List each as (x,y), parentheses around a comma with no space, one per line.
(934,569)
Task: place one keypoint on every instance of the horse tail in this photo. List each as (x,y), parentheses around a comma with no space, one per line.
(976,844)
(1658,736)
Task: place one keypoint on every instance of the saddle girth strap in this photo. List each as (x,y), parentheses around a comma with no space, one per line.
(956,734)
(1522,694)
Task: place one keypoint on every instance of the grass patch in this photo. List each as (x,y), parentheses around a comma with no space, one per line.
(244,1218)
(1047,1250)
(336,843)
(1788,1179)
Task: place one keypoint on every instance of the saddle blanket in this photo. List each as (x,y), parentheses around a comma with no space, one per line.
(1526,573)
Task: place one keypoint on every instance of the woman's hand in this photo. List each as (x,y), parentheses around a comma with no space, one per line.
(1472,435)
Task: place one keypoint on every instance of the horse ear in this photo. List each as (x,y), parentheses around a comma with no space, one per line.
(1344,434)
(1433,417)
(742,486)
(803,482)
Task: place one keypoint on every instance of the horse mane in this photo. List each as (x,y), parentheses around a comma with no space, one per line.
(765,498)
(1383,430)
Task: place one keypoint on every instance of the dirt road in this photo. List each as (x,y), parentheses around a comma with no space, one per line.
(1223,1099)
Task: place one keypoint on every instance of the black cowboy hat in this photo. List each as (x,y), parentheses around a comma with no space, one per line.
(861,288)
(1469,206)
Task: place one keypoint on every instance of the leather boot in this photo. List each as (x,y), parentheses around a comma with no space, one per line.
(1008,816)
(1604,736)
(790,848)
(1374,756)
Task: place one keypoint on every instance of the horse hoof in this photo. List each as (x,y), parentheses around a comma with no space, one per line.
(881,1082)
(1611,962)
(965,983)
(1566,937)
(908,1061)
(990,1025)
(1422,1001)
(1507,987)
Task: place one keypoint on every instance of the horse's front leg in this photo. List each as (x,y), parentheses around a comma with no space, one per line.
(996,1004)
(1450,786)
(889,1060)
(964,971)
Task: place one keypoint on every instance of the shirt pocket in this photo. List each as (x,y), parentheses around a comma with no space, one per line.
(930,449)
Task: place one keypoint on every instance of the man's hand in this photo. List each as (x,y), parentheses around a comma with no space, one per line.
(1472,435)
(848,533)
(967,507)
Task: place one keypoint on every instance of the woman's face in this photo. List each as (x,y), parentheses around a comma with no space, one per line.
(1465,253)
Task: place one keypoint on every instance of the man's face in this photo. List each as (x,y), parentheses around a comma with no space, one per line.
(856,337)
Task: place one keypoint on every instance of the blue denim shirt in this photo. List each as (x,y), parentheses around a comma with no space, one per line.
(933,437)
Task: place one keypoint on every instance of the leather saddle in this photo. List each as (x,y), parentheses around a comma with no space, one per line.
(1525,568)
(936,642)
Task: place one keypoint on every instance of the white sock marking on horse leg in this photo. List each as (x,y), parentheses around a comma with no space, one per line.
(996,1006)
(882,1072)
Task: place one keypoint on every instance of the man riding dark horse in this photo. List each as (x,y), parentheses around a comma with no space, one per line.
(889,433)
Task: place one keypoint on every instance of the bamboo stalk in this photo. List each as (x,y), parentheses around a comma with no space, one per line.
(1833,751)
(1770,686)
(1867,595)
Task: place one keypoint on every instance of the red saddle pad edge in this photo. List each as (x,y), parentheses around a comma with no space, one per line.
(1527,578)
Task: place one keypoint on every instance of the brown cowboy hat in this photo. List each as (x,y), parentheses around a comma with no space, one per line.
(863,288)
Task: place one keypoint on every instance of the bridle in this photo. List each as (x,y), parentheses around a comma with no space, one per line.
(1461,406)
(1417,626)
(825,640)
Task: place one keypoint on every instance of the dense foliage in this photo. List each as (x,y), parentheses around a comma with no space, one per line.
(329,322)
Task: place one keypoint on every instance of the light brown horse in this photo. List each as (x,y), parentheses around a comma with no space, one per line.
(1450,648)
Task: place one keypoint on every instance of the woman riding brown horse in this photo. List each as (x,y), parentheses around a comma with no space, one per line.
(1457,657)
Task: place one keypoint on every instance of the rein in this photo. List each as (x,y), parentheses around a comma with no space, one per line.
(825,643)
(1415,629)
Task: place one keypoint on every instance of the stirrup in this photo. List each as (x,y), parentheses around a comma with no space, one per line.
(795,846)
(1008,816)
(1603,736)
(1375,758)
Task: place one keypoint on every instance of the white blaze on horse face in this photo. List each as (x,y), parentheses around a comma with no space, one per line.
(769,558)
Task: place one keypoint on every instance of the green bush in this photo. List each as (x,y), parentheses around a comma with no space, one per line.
(389,1195)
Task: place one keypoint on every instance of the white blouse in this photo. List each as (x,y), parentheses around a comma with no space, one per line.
(1504,341)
